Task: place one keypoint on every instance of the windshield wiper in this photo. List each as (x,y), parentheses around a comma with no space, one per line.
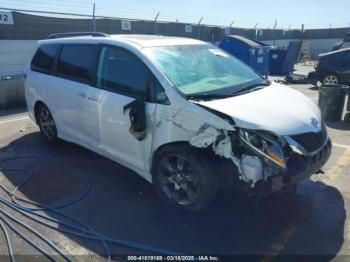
(252,88)
(206,96)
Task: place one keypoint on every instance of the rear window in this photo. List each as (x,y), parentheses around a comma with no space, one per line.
(78,63)
(44,58)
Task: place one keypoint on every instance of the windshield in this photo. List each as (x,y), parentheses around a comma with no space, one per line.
(203,69)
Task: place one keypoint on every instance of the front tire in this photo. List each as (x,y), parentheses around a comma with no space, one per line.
(47,124)
(184,177)
(330,80)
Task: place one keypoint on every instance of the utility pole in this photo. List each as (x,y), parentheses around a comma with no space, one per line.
(93,17)
(199,28)
(155,23)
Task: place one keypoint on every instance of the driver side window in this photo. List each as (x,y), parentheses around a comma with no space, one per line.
(122,72)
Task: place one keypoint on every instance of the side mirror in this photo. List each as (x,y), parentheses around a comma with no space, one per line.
(137,116)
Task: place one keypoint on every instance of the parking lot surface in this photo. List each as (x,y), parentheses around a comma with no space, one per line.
(122,205)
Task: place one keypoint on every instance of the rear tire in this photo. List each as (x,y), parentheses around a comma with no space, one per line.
(47,124)
(183,177)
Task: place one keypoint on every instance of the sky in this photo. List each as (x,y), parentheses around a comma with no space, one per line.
(287,13)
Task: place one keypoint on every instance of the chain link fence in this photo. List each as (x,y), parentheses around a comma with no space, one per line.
(34,25)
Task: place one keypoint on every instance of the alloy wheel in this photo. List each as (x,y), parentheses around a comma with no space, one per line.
(330,80)
(178,180)
(47,123)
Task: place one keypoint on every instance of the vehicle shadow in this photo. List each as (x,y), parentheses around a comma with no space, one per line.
(122,205)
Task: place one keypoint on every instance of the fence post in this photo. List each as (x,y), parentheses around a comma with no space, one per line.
(230,27)
(199,28)
(155,23)
(93,17)
(289,31)
(274,33)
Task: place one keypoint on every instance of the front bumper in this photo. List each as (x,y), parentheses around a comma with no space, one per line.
(314,77)
(300,167)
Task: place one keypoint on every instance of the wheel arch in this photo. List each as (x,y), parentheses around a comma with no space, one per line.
(330,73)
(206,152)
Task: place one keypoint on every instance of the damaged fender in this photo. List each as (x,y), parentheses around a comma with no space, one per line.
(220,142)
(203,129)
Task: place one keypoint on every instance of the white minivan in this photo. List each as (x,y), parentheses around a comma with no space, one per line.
(182,113)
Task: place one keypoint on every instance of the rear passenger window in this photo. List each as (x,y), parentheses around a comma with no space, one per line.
(122,72)
(44,58)
(78,62)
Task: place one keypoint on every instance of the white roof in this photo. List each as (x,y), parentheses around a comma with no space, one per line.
(134,39)
(156,40)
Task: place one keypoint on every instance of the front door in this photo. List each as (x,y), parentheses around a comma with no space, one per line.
(121,79)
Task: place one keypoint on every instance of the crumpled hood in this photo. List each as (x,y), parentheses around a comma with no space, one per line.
(275,108)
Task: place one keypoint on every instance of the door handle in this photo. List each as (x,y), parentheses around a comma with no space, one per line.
(81,94)
(94,98)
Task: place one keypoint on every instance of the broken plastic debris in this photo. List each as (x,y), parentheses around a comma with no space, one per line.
(205,137)
(252,169)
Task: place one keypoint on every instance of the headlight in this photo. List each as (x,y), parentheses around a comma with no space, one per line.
(264,146)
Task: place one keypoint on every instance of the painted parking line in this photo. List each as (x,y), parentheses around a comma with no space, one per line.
(277,248)
(14,120)
(340,145)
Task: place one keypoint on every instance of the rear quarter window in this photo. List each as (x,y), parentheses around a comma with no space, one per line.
(44,58)
(78,62)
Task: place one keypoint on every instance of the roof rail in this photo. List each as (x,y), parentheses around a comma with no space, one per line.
(72,34)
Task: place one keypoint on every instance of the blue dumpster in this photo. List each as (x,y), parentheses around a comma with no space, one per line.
(277,58)
(251,52)
(282,60)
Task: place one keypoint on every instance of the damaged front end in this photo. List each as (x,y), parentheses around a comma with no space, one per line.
(263,159)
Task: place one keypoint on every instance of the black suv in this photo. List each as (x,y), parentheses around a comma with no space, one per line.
(332,68)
